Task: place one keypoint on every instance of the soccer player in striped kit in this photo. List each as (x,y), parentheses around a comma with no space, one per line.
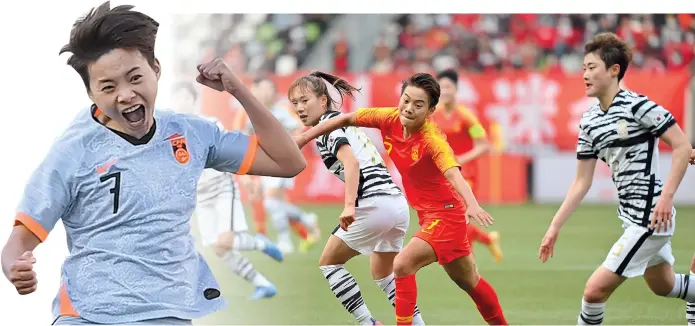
(222,225)
(220,214)
(623,130)
(123,177)
(468,139)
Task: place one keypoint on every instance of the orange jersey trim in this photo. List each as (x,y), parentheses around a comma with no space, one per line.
(250,156)
(66,307)
(31,224)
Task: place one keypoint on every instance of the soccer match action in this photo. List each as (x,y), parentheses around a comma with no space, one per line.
(368,169)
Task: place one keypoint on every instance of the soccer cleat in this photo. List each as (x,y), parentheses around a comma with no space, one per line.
(494,246)
(263,292)
(270,248)
(306,244)
(376,322)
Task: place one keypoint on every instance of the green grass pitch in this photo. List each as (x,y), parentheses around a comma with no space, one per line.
(530,292)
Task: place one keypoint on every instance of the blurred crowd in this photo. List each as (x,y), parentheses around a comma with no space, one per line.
(421,42)
(276,43)
(281,43)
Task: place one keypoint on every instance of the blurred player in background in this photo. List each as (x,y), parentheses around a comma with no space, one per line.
(274,190)
(222,225)
(468,139)
(376,214)
(623,130)
(690,306)
(221,217)
(434,187)
(123,179)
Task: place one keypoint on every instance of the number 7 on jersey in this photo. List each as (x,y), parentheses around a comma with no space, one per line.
(116,190)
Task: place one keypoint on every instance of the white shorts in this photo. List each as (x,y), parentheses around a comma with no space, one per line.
(636,250)
(380,225)
(277,183)
(222,213)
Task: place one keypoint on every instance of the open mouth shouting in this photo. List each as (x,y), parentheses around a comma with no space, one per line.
(135,115)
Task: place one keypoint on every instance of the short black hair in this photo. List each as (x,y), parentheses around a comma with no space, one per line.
(104,29)
(427,83)
(611,50)
(450,74)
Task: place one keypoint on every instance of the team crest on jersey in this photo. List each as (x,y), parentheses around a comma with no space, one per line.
(415,153)
(622,129)
(180,148)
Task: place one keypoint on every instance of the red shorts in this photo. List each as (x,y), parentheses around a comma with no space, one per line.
(446,233)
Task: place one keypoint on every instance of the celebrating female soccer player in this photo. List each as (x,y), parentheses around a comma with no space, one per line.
(376,214)
(623,130)
(435,189)
(123,179)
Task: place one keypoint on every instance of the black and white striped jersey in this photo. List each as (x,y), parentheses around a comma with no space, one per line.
(626,138)
(375,179)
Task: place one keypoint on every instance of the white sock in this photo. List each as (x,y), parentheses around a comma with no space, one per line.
(246,242)
(347,291)
(280,220)
(682,289)
(388,285)
(592,313)
(243,267)
(690,307)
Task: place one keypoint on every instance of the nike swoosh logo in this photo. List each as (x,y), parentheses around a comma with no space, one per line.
(105,167)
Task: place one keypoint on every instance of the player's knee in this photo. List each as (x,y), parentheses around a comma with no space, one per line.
(226,240)
(595,294)
(327,259)
(403,266)
(692,265)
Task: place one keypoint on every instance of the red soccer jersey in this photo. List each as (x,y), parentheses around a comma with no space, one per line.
(461,128)
(421,160)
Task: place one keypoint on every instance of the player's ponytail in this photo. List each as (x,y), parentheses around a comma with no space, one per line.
(341,85)
(316,83)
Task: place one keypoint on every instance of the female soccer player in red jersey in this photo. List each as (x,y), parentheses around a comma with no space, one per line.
(434,187)
(468,139)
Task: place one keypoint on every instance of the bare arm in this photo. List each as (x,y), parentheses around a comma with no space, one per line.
(343,120)
(462,188)
(580,186)
(480,147)
(21,240)
(352,174)
(278,155)
(682,149)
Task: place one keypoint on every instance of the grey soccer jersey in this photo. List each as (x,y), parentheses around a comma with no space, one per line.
(126,207)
